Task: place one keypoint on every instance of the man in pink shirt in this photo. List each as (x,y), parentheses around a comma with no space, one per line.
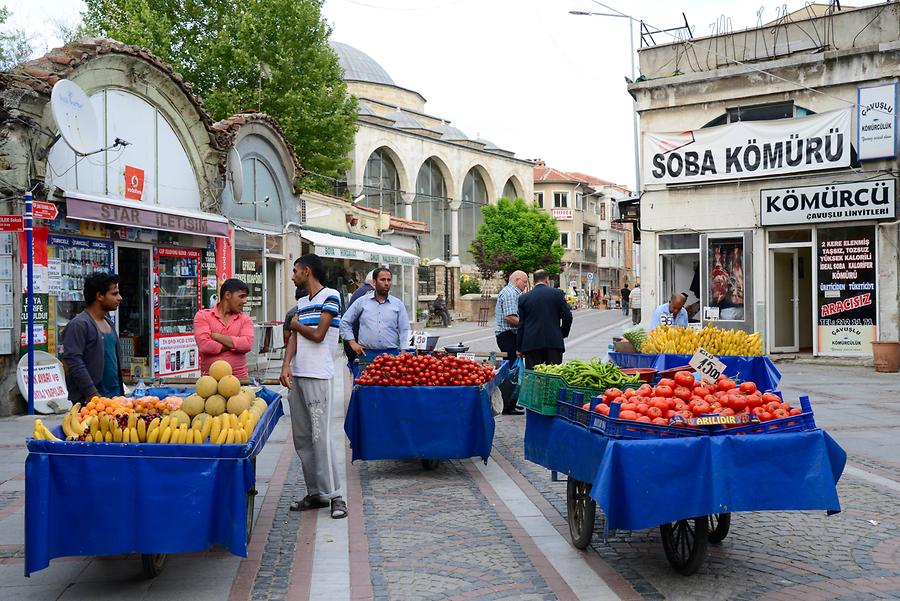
(225,332)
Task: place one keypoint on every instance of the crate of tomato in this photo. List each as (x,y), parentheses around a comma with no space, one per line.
(424,370)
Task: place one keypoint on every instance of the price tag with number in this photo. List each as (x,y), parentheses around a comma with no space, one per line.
(469,356)
(420,340)
(707,365)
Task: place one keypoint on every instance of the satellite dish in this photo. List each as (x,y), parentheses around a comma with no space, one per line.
(234,171)
(75,117)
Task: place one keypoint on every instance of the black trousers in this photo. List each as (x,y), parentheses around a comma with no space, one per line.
(506,342)
(444,315)
(546,356)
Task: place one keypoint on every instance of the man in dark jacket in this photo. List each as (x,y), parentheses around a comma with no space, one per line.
(544,320)
(90,345)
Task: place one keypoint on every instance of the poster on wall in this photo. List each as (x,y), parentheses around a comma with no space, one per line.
(847,295)
(749,149)
(177,355)
(725,280)
(876,132)
(208,282)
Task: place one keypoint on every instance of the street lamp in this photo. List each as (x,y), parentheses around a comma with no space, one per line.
(634,123)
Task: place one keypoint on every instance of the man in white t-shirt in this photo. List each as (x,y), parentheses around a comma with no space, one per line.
(307,371)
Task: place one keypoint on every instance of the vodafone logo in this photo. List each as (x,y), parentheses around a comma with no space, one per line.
(134,183)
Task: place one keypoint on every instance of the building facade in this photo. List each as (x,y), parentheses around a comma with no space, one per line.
(769,186)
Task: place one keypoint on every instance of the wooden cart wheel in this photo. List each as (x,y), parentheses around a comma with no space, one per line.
(719,524)
(153,564)
(580,510)
(430,464)
(685,543)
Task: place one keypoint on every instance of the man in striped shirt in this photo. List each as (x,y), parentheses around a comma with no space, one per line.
(307,372)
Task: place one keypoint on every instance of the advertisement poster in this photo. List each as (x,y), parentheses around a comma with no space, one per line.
(877,122)
(847,307)
(41,324)
(134,183)
(41,278)
(208,281)
(725,283)
(249,269)
(176,355)
(224,267)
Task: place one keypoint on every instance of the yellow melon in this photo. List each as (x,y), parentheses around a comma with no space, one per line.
(193,405)
(179,417)
(229,386)
(238,404)
(220,369)
(207,386)
(248,390)
(200,417)
(215,405)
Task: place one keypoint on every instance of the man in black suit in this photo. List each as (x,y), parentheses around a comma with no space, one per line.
(544,320)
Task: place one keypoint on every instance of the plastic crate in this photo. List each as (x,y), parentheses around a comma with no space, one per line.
(795,423)
(572,411)
(613,427)
(539,392)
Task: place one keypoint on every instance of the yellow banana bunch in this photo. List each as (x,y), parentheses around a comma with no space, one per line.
(718,341)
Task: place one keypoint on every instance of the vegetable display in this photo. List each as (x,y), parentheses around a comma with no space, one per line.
(636,336)
(592,374)
(424,370)
(685,397)
(718,341)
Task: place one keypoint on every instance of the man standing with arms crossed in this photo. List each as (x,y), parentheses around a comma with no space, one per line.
(507,322)
(378,321)
(225,332)
(307,372)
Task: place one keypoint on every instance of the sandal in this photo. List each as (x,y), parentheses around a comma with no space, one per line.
(309,502)
(338,508)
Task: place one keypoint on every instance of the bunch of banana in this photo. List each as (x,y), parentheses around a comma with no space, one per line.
(72,427)
(42,433)
(718,341)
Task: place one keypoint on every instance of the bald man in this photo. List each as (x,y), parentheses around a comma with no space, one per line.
(507,320)
(671,313)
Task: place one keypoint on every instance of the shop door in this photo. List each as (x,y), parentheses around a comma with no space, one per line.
(784,300)
(135,311)
(274,290)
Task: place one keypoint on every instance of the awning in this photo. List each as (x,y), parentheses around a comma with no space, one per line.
(129,213)
(340,247)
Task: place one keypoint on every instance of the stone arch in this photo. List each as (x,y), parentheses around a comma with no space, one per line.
(406,179)
(485,175)
(446,172)
(515,183)
(397,197)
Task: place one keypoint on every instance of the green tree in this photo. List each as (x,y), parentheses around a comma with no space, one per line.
(516,235)
(15,47)
(270,55)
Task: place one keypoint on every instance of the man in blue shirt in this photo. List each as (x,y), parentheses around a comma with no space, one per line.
(382,319)
(671,313)
(507,321)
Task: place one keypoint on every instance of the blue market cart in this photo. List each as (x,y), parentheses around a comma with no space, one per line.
(153,499)
(687,487)
(425,423)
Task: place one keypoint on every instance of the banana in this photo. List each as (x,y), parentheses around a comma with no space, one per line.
(142,430)
(205,429)
(104,424)
(126,435)
(229,439)
(215,429)
(166,435)
(98,436)
(223,436)
(95,425)
(67,426)
(242,418)
(108,437)
(154,425)
(48,435)
(117,434)
(153,437)
(38,433)
(132,420)
(182,433)
(133,435)
(198,437)
(165,422)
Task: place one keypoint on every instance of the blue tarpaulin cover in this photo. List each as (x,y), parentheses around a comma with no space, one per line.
(644,483)
(759,370)
(113,498)
(422,422)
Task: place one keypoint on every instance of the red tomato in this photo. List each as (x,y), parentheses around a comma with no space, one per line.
(748,387)
(645,390)
(654,412)
(642,408)
(754,401)
(780,413)
(726,384)
(613,393)
(685,378)
(738,403)
(727,411)
(663,391)
(771,407)
(602,409)
(586,406)
(630,393)
(680,405)
(765,416)
(660,421)
(643,419)
(701,391)
(770,397)
(682,393)
(796,411)
(629,415)
(667,382)
(669,414)
(701,408)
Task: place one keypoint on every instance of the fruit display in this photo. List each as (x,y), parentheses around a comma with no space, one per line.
(197,419)
(636,336)
(685,397)
(679,340)
(424,370)
(592,374)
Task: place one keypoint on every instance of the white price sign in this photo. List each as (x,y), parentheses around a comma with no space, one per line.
(707,365)
(469,356)
(420,340)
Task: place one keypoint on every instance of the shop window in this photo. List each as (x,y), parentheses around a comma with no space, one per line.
(249,268)
(560,200)
(725,285)
(539,199)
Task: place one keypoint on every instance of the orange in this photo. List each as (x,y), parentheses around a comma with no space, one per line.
(110,410)
(92,412)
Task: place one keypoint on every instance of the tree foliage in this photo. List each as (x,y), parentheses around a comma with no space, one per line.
(516,235)
(270,55)
(15,47)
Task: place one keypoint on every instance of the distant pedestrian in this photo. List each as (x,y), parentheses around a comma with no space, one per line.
(634,300)
(439,306)
(626,293)
(507,322)
(544,321)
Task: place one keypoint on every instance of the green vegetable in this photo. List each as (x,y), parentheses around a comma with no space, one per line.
(592,374)
(636,336)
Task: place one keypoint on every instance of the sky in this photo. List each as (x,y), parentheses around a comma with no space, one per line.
(524,74)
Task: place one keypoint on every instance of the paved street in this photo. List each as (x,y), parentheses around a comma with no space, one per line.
(470,531)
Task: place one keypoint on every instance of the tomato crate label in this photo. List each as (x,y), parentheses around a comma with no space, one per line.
(715,420)
(707,365)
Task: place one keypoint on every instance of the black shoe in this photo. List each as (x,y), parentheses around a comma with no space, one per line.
(513,412)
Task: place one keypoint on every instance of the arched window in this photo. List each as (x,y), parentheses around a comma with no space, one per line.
(259,185)
(381,184)
(432,207)
(509,190)
(474,197)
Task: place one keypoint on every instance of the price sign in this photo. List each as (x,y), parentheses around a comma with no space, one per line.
(420,340)
(707,365)
(469,356)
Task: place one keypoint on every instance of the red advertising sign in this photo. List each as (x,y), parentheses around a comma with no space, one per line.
(134,182)
(224,266)
(44,210)
(12,223)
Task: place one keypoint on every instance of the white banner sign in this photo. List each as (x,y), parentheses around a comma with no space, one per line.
(563,214)
(851,201)
(877,122)
(749,149)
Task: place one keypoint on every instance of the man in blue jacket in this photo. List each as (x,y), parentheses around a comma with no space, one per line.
(544,321)
(90,345)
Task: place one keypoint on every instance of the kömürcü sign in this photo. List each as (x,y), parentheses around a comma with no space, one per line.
(845,201)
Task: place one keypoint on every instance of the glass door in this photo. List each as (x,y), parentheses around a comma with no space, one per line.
(784,300)
(134,311)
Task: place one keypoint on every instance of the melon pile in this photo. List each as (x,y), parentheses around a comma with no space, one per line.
(221,393)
